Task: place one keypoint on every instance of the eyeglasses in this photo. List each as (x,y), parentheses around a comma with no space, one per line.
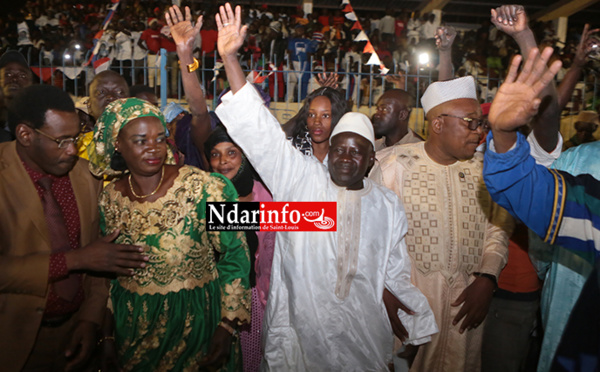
(62,143)
(472,124)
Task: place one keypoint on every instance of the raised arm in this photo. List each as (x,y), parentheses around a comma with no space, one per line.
(251,125)
(444,37)
(512,20)
(231,38)
(566,87)
(517,100)
(558,207)
(185,34)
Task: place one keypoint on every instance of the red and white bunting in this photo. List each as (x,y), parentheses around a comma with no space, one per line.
(374,60)
(362,36)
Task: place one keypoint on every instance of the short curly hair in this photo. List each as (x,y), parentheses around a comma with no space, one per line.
(31,104)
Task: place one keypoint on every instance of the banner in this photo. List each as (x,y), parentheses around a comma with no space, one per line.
(271,216)
(111,11)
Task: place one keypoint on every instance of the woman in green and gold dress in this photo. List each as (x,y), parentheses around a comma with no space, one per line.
(181,311)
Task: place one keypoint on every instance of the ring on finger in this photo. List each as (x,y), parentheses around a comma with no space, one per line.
(226,24)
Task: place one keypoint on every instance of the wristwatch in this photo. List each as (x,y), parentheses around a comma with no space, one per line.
(490,277)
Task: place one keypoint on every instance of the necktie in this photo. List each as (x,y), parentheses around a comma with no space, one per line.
(68,287)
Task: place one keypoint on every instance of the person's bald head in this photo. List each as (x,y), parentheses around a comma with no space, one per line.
(106,87)
(393,113)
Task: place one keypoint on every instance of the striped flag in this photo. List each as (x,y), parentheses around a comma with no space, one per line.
(111,11)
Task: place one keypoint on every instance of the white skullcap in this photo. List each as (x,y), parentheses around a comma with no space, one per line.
(355,122)
(444,91)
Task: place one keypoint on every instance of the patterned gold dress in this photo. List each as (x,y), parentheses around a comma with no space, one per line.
(165,315)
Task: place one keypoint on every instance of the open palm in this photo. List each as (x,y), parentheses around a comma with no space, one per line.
(517,99)
(585,46)
(231,32)
(182,31)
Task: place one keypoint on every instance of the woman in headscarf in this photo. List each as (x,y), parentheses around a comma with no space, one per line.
(225,157)
(182,310)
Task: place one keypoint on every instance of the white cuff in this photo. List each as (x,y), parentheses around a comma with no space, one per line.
(541,156)
(491,146)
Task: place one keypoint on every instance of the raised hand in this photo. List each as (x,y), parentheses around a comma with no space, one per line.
(517,99)
(511,19)
(444,37)
(399,80)
(231,32)
(183,32)
(586,45)
(328,80)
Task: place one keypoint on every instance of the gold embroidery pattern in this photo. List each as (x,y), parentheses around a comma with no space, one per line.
(172,356)
(447,209)
(179,250)
(181,256)
(144,342)
(236,302)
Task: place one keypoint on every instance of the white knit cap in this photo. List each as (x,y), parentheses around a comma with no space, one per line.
(355,122)
(444,91)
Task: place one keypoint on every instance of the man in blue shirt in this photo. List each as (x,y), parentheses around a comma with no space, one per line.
(557,206)
(299,50)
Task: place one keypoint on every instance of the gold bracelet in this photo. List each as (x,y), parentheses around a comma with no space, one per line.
(192,66)
(228,328)
(106,338)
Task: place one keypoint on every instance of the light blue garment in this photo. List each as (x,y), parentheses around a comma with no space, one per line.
(581,159)
(564,274)
(172,110)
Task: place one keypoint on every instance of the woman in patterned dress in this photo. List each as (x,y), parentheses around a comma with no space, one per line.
(181,311)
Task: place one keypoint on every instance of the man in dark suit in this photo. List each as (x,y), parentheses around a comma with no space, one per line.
(50,305)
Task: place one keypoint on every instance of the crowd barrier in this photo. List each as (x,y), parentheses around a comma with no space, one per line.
(285,84)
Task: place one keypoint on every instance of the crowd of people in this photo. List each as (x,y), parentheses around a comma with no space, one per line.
(295,44)
(446,252)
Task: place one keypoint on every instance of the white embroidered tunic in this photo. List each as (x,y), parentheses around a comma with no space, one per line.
(325,310)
